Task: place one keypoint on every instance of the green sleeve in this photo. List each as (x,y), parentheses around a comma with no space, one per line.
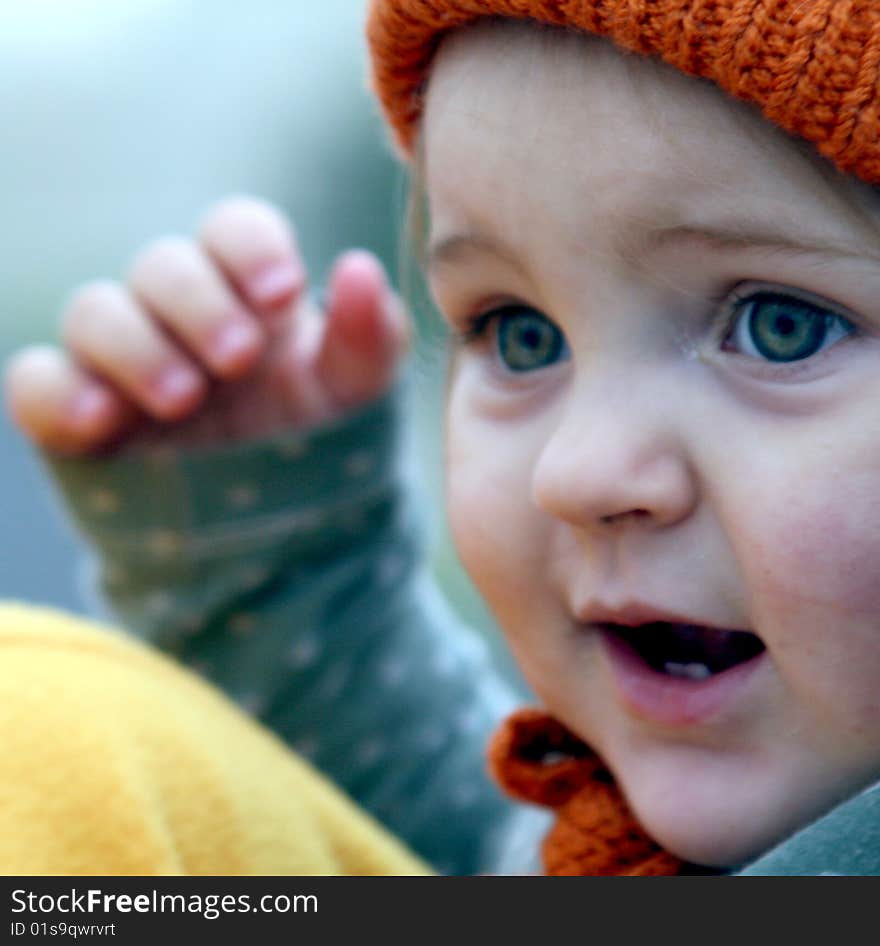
(289,572)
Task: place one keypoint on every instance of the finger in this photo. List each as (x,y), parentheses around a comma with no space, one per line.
(255,246)
(176,282)
(366,332)
(61,407)
(305,399)
(110,335)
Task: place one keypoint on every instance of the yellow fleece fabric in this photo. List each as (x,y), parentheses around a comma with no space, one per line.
(115,761)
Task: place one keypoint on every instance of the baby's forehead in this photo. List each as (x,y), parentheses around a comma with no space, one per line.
(619,130)
(498,70)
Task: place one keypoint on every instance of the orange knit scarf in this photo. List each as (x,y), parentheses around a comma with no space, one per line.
(537,760)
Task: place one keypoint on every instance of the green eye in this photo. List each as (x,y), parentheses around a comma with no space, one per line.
(527,341)
(781,328)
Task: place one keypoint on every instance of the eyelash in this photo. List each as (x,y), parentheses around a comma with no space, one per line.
(735,316)
(476,327)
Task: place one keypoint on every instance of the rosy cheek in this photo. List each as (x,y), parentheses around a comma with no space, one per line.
(812,568)
(476,511)
(495,527)
(485,516)
(819,549)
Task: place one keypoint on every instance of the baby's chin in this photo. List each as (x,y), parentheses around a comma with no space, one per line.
(709,817)
(708,842)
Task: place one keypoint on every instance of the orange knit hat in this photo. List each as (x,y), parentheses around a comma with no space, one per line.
(812,66)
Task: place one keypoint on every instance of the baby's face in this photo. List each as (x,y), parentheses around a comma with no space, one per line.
(663,427)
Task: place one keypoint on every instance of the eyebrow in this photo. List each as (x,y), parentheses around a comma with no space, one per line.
(748,237)
(458,246)
(454,248)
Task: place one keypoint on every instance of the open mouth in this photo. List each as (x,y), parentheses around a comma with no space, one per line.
(688,651)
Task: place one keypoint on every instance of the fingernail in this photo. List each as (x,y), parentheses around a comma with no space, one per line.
(232,342)
(87,406)
(275,283)
(176,385)
(365,259)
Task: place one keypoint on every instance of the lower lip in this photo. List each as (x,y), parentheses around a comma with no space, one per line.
(674,701)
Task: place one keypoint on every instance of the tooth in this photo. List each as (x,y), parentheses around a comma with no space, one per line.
(691,671)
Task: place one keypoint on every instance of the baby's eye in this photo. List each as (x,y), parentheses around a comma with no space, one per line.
(527,340)
(780,328)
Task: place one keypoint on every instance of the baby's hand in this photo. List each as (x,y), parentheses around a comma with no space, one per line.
(211,340)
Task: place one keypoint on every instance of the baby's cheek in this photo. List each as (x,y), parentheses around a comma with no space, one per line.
(812,567)
(478,517)
(818,547)
(492,518)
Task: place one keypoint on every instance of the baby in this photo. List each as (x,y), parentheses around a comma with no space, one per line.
(660,469)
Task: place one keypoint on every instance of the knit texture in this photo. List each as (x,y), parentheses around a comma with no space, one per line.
(538,760)
(812,66)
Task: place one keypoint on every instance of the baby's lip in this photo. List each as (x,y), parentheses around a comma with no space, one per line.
(673,644)
(633,613)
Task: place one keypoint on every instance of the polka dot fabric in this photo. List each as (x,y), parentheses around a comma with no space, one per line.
(812,66)
(285,571)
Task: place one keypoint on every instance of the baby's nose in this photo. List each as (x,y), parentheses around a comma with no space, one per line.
(603,467)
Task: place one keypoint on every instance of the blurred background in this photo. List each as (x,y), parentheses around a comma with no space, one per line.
(122,122)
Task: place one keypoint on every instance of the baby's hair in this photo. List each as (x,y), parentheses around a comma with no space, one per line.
(431,349)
